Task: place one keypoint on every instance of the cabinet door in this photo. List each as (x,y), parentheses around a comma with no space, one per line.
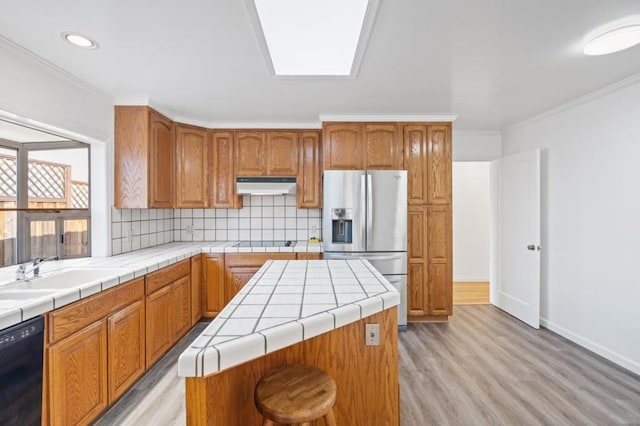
(308,192)
(250,154)
(440,260)
(131,157)
(126,360)
(417,290)
(415,151)
(191,182)
(213,284)
(342,146)
(78,376)
(158,329)
(439,164)
(383,147)
(180,309)
(222,191)
(282,153)
(196,289)
(235,278)
(161,161)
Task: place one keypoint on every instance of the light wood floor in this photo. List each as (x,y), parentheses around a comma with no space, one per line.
(471,293)
(483,367)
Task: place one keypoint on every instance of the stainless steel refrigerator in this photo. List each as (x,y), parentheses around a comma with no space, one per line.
(365,216)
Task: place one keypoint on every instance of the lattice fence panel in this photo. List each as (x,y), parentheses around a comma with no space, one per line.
(80,195)
(8,177)
(46,180)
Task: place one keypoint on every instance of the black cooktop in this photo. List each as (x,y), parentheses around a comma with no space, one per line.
(266,244)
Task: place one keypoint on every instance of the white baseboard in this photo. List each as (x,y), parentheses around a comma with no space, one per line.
(621,360)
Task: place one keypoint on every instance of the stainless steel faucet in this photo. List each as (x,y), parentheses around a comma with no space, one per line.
(32,266)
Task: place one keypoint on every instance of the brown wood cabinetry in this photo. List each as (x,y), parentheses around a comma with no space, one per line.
(222,178)
(415,149)
(196,289)
(78,376)
(439,249)
(239,268)
(417,291)
(249,153)
(383,147)
(342,146)
(309,181)
(168,308)
(282,153)
(144,158)
(213,284)
(439,164)
(191,179)
(126,354)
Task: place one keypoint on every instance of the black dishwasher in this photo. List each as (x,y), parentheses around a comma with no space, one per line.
(21,348)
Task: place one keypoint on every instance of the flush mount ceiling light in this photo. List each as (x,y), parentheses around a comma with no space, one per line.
(613,40)
(313,37)
(79,40)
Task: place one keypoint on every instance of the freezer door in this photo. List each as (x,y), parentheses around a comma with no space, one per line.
(386,210)
(344,189)
(394,263)
(400,283)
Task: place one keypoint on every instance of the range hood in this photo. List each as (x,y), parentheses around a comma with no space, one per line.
(257,185)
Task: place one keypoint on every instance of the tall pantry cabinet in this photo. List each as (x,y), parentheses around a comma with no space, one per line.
(428,160)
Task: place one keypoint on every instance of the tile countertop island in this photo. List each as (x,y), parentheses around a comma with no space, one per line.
(19,304)
(309,311)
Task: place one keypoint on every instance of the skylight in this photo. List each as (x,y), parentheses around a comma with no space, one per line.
(312,37)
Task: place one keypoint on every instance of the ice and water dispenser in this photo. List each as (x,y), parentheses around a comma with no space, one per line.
(341,221)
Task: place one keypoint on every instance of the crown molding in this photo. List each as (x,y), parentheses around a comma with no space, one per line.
(612,88)
(249,124)
(385,118)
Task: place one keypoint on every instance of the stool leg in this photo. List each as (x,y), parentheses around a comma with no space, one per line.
(329,419)
(267,422)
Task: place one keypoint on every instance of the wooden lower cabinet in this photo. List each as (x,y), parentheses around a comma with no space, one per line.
(213,284)
(417,289)
(196,289)
(439,249)
(180,306)
(158,329)
(78,376)
(235,278)
(126,348)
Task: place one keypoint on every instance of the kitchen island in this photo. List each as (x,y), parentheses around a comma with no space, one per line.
(299,311)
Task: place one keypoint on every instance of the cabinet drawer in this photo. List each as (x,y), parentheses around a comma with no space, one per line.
(255,259)
(309,256)
(157,280)
(66,321)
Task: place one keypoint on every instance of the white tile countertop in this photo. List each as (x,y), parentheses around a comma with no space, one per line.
(19,302)
(286,302)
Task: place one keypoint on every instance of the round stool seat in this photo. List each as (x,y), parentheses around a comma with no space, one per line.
(295,394)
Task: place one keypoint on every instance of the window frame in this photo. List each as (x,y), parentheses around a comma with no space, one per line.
(26,215)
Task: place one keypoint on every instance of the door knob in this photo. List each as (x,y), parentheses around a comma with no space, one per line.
(531,247)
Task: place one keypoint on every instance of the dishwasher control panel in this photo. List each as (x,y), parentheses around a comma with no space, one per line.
(20,332)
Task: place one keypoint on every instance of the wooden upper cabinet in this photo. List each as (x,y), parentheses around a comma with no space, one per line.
(415,152)
(342,146)
(282,153)
(250,153)
(439,164)
(222,188)
(144,158)
(309,185)
(383,147)
(161,154)
(191,182)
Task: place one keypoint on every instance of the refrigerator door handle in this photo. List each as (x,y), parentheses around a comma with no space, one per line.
(369,210)
(363,210)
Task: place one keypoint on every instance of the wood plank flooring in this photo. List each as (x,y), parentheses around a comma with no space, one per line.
(471,293)
(483,367)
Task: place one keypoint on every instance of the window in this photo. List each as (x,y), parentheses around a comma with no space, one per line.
(44,195)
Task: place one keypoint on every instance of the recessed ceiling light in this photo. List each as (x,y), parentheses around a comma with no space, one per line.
(613,40)
(312,37)
(80,40)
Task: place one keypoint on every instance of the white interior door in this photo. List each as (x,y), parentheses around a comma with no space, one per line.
(515,252)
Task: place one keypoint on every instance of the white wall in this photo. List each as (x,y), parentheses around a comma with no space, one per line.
(471,221)
(590,219)
(476,145)
(39,94)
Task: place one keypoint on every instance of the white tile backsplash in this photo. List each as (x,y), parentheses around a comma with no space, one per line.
(261,218)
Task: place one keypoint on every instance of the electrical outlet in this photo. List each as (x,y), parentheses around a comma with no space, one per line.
(188,229)
(314,231)
(130,234)
(372,334)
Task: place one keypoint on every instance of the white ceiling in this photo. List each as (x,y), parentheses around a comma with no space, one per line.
(491,62)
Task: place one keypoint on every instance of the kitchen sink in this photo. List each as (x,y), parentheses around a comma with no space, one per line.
(68,278)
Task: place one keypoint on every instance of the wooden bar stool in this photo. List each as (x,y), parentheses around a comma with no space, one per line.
(296,394)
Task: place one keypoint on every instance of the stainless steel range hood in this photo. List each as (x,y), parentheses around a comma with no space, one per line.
(257,185)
